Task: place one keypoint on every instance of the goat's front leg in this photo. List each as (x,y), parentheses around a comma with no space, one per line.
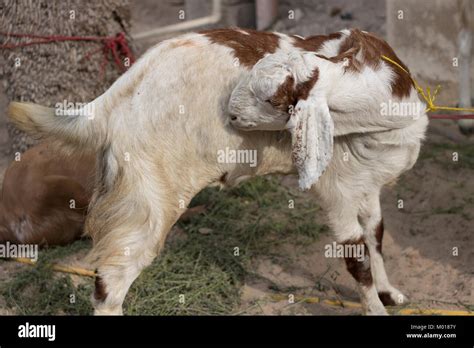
(372,222)
(342,212)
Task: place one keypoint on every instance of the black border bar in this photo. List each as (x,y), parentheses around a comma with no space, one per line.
(137,330)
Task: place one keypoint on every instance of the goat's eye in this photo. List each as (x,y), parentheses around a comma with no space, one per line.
(269,101)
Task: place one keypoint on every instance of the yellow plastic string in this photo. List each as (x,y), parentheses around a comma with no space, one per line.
(61,268)
(427,96)
(391,309)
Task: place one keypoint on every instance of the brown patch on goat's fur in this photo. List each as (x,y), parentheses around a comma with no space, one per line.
(314,43)
(304,88)
(284,96)
(360,270)
(288,94)
(100,294)
(379,236)
(372,49)
(352,64)
(386,299)
(248,49)
(223,178)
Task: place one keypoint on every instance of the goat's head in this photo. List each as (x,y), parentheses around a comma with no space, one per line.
(265,98)
(279,94)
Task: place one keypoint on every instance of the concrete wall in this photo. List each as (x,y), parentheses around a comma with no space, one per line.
(150,14)
(313,17)
(426,40)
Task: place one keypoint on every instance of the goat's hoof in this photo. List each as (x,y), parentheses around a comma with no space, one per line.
(392,297)
(376,309)
(373,306)
(102,310)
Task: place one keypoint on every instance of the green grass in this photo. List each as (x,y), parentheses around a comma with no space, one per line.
(253,217)
(39,290)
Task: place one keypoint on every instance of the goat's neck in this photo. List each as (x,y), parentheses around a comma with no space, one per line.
(272,151)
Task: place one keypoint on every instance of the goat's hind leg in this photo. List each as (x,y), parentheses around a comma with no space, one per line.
(132,233)
(372,222)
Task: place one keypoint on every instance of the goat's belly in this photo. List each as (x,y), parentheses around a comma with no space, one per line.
(412,134)
(383,156)
(405,143)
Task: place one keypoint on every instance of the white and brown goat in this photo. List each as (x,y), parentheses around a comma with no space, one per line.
(157,132)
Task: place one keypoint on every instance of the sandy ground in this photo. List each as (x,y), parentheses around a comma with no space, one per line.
(437,216)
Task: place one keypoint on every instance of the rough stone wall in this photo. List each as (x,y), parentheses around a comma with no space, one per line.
(57,72)
(150,14)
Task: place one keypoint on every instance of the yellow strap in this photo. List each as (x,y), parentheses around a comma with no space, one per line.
(350,304)
(429,99)
(410,311)
(61,268)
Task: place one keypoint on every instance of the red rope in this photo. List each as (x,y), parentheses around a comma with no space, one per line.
(114,46)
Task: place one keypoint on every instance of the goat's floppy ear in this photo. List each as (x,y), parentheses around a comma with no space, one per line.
(312,134)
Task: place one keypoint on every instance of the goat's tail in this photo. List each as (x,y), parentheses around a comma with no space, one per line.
(79,127)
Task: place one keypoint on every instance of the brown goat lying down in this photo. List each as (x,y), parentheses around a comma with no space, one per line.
(45,197)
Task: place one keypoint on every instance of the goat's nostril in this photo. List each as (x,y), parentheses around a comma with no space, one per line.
(233,118)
